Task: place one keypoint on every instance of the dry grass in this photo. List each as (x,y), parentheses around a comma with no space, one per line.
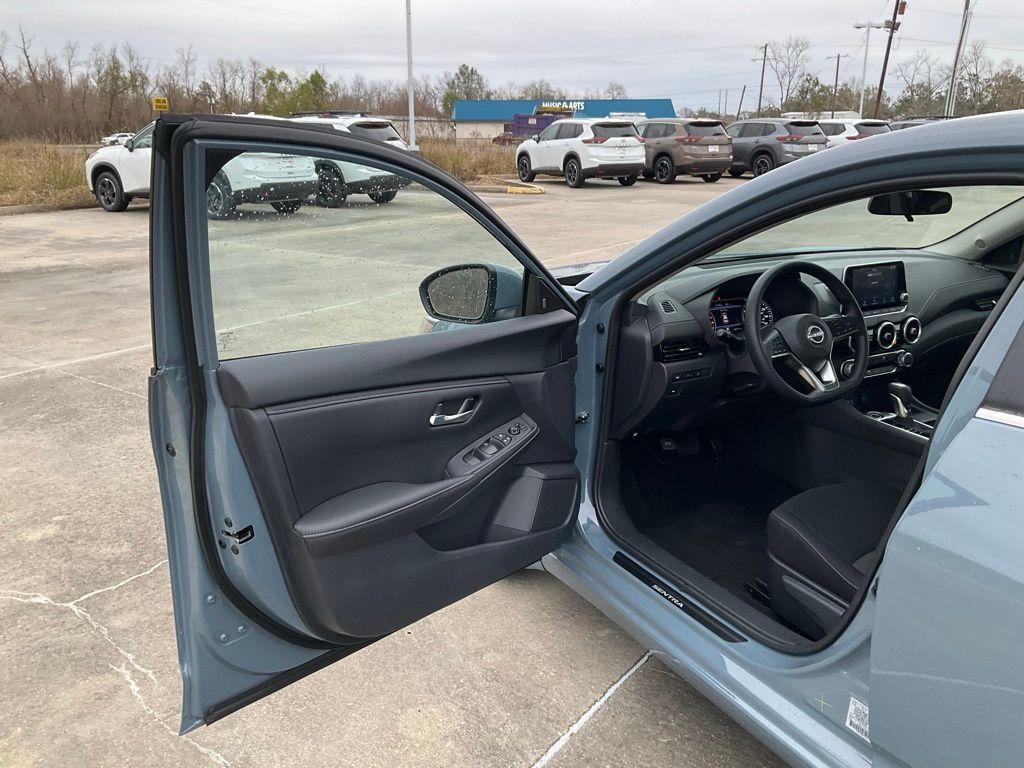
(44,175)
(466,161)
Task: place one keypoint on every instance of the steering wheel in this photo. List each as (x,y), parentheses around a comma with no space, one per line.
(804,342)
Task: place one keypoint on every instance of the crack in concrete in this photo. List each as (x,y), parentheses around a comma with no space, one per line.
(36,598)
(133,688)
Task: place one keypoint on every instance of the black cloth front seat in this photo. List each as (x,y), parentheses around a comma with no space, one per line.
(820,544)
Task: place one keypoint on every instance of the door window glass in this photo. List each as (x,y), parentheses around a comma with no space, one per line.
(143,139)
(309,252)
(734,130)
(549,133)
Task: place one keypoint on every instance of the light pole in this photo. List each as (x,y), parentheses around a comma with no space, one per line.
(411,84)
(867,26)
(954,76)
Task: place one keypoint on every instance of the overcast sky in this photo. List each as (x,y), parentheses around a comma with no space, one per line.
(683,49)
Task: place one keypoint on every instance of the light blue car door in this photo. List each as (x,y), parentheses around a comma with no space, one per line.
(947,678)
(331,472)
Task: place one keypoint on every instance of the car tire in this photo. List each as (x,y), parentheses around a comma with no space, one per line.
(220,204)
(330,188)
(664,170)
(109,193)
(574,173)
(525,168)
(736,172)
(711,178)
(627,181)
(383,196)
(286,206)
(762,164)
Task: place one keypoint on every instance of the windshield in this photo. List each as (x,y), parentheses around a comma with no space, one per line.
(705,129)
(614,130)
(849,226)
(379,131)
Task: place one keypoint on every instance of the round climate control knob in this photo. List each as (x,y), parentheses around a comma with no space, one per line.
(911,330)
(904,359)
(885,335)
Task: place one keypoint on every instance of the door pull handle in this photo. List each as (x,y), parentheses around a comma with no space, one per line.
(440,419)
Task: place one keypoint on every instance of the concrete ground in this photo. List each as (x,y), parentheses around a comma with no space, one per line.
(88,666)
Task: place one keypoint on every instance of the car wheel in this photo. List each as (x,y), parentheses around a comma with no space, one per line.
(525,168)
(762,164)
(385,196)
(627,181)
(330,188)
(574,173)
(109,193)
(711,177)
(219,202)
(286,206)
(736,172)
(664,170)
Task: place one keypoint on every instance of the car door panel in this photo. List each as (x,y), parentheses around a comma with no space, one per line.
(319,498)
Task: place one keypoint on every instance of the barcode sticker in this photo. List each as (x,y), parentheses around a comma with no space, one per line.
(857,718)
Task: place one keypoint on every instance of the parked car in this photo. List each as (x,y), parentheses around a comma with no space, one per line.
(698,147)
(115,138)
(583,148)
(839,131)
(336,182)
(779,442)
(118,173)
(763,144)
(913,122)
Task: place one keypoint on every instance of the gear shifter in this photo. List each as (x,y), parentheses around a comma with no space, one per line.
(901,396)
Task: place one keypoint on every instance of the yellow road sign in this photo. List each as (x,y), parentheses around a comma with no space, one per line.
(159,103)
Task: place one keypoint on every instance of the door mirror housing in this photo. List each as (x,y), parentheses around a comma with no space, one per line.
(472,293)
(536,137)
(911,203)
(129,144)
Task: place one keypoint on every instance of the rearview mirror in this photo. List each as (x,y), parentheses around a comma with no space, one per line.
(464,293)
(911,203)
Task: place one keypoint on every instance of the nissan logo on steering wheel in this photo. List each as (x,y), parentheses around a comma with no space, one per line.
(815,334)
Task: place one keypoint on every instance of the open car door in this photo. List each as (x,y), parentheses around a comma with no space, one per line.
(361,411)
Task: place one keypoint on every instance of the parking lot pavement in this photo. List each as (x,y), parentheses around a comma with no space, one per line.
(88,666)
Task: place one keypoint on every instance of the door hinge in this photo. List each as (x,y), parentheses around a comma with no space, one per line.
(583,417)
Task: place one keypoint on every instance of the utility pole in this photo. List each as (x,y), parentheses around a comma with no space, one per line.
(954,76)
(410,83)
(835,86)
(898,9)
(760,90)
(725,104)
(739,109)
(867,26)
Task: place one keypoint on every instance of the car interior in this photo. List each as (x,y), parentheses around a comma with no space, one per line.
(760,470)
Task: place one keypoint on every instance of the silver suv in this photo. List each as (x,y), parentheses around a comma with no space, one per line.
(763,144)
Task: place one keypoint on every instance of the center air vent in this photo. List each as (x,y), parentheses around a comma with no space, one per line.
(667,306)
(674,351)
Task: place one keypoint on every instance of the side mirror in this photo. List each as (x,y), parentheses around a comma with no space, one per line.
(129,144)
(911,203)
(536,137)
(469,294)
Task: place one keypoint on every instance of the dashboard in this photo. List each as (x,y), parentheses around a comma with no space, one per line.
(686,336)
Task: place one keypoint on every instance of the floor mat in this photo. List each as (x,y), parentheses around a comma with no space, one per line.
(710,512)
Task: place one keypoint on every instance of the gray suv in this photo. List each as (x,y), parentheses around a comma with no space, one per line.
(682,145)
(763,144)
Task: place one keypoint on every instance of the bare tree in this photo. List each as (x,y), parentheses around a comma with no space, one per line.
(788,62)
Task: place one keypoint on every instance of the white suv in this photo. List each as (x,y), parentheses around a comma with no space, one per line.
(118,173)
(840,131)
(336,181)
(582,148)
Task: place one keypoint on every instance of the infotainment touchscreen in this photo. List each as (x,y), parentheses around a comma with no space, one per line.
(877,286)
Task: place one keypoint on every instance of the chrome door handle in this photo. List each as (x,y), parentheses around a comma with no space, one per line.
(465,412)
